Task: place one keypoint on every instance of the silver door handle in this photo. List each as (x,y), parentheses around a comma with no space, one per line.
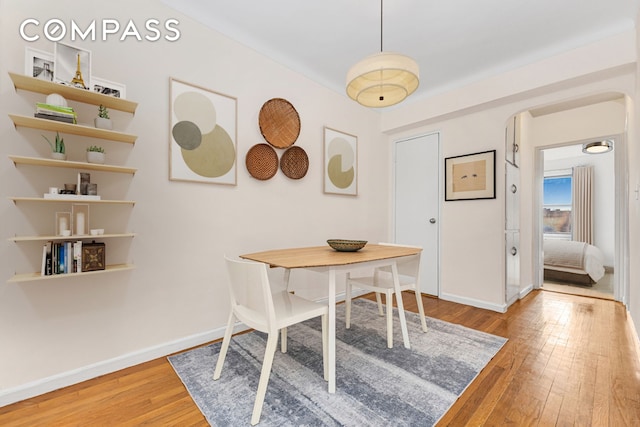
(432,220)
(514,251)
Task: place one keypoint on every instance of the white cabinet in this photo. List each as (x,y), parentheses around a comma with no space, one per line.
(512,141)
(512,232)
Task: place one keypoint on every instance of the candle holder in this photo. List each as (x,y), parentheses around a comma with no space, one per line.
(80,214)
(63,222)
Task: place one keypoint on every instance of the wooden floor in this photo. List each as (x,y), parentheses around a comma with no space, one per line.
(570,360)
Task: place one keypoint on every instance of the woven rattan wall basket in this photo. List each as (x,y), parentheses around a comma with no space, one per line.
(262,161)
(279,123)
(294,163)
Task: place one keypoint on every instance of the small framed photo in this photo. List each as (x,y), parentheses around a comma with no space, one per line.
(72,66)
(38,64)
(340,162)
(105,87)
(470,176)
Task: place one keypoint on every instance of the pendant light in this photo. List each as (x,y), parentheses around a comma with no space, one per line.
(382,79)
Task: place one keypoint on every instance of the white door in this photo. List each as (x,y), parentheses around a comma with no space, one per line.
(417,201)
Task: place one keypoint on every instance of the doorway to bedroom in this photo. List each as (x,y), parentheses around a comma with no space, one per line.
(578,220)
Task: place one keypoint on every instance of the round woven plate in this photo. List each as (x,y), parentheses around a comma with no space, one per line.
(262,161)
(279,123)
(294,163)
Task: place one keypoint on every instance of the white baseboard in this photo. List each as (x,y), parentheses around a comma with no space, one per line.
(526,291)
(64,379)
(634,331)
(500,308)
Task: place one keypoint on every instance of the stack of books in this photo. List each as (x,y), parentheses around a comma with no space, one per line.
(61,258)
(55,112)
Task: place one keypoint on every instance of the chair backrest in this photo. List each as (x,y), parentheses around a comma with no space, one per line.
(250,294)
(408,266)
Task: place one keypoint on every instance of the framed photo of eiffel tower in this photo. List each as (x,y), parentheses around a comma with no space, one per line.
(72,66)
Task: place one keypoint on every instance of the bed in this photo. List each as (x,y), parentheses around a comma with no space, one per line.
(570,261)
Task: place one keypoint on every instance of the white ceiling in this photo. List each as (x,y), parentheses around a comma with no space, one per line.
(454,41)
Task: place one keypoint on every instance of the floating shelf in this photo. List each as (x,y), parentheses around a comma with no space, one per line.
(82,130)
(43,200)
(74,237)
(39,161)
(28,277)
(31,84)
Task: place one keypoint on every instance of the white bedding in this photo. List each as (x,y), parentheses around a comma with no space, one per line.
(574,257)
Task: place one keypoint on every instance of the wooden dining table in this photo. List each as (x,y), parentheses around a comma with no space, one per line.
(324,259)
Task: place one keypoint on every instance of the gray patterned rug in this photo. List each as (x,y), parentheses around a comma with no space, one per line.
(375,386)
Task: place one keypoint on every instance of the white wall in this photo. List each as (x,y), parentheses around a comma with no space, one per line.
(58,331)
(176,296)
(473,119)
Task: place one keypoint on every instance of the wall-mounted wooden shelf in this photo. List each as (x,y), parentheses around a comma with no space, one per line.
(73,237)
(39,161)
(28,277)
(43,200)
(31,84)
(54,126)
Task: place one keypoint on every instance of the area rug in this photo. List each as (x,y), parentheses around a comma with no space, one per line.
(375,385)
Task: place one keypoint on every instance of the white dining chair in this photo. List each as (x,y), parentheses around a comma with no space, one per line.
(381,282)
(254,304)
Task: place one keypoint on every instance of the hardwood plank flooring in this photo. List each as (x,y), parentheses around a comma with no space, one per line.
(570,360)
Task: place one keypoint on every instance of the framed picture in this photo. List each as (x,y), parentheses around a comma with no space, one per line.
(72,66)
(202,135)
(105,87)
(340,162)
(471,176)
(38,64)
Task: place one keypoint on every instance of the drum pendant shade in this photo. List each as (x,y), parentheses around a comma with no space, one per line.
(383,79)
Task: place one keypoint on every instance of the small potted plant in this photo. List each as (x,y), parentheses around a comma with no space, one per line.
(103,121)
(95,154)
(57,147)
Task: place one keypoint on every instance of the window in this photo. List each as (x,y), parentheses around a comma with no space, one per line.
(556,220)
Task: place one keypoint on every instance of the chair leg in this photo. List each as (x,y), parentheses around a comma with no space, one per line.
(379,300)
(389,298)
(347,302)
(225,347)
(272,344)
(283,340)
(421,310)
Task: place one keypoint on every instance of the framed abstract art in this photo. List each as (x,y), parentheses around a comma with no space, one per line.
(340,162)
(202,135)
(470,176)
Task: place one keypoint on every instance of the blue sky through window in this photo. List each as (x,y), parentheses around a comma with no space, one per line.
(557,190)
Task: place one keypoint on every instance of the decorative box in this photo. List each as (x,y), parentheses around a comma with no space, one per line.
(93,256)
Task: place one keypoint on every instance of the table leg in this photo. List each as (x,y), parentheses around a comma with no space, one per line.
(287,275)
(332,331)
(403,320)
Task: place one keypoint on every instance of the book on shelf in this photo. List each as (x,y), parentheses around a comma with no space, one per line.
(55,118)
(61,257)
(55,112)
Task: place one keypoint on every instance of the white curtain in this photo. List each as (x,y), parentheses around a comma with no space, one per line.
(583,204)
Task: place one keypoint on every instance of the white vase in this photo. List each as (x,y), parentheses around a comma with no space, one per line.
(58,156)
(95,157)
(102,123)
